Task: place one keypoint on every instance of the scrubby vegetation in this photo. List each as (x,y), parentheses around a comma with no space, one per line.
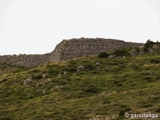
(103,55)
(148,44)
(100,88)
(121,52)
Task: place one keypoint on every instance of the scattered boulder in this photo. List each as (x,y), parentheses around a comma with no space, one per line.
(155,47)
(37,85)
(133,52)
(141,51)
(44,76)
(111,56)
(59,75)
(44,91)
(30,77)
(58,88)
(48,80)
(151,51)
(64,73)
(27,82)
(38,91)
(52,89)
(123,57)
(7,68)
(98,66)
(80,68)
(141,47)
(40,84)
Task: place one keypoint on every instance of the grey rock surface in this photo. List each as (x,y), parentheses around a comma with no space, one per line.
(133,52)
(80,68)
(27,82)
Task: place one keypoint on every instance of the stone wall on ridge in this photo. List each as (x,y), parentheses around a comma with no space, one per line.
(25,60)
(68,49)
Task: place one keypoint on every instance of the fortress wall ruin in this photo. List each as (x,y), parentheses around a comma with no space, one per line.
(73,48)
(25,60)
(68,49)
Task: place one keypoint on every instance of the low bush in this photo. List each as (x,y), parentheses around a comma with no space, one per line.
(155,60)
(38,76)
(149,79)
(88,66)
(6,118)
(91,89)
(158,110)
(121,52)
(103,55)
(137,49)
(147,45)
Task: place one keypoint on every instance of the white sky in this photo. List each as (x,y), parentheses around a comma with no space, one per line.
(37,26)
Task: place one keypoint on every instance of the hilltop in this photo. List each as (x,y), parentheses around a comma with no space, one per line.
(68,49)
(86,88)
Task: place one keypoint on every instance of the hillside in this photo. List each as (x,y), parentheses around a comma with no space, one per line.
(85,88)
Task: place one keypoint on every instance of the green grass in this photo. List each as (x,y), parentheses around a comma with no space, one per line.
(120,85)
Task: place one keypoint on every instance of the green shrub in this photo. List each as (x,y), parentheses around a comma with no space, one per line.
(88,66)
(4,80)
(149,79)
(121,113)
(19,69)
(158,110)
(146,105)
(9,83)
(137,49)
(51,72)
(147,45)
(38,76)
(106,101)
(155,60)
(103,55)
(34,71)
(121,52)
(123,110)
(91,89)
(6,118)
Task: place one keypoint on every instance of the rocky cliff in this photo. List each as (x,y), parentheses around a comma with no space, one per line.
(68,49)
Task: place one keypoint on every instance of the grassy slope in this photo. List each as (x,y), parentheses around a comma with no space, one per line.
(120,85)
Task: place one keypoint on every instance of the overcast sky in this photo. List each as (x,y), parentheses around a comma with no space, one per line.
(37,26)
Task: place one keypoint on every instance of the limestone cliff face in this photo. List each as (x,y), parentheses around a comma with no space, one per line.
(68,49)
